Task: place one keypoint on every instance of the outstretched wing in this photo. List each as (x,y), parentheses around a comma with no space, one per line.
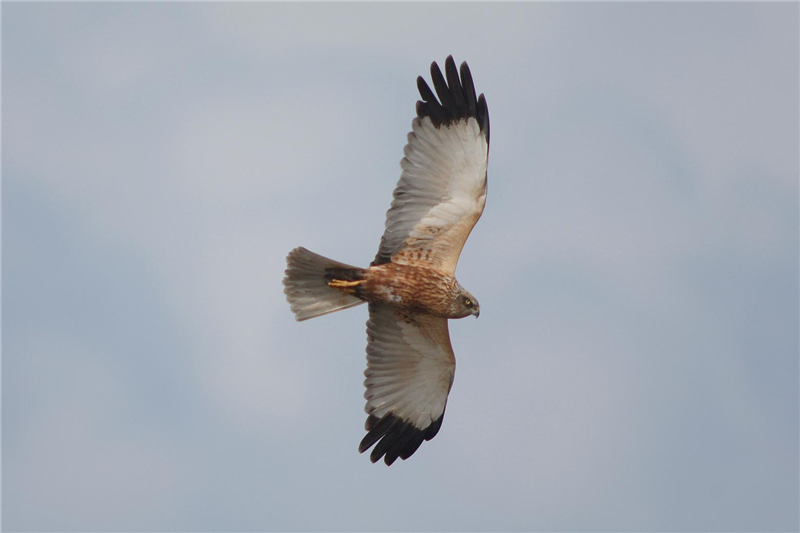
(442,189)
(410,368)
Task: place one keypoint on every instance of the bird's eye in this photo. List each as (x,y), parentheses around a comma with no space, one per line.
(467,302)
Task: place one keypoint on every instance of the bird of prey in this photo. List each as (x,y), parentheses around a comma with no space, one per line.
(410,286)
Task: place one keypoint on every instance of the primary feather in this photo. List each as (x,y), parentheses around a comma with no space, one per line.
(411,286)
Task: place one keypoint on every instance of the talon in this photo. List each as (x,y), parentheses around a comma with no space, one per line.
(345,286)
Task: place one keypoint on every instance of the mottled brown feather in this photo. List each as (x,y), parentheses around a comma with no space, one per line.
(411,286)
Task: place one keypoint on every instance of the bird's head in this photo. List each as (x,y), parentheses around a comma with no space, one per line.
(464,304)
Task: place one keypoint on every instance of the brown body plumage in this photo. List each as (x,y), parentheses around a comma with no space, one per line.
(407,288)
(411,286)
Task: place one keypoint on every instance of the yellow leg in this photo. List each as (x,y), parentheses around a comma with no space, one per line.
(345,286)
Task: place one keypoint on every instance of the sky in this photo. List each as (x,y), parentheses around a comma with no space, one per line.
(635,365)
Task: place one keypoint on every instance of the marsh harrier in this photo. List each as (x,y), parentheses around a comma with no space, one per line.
(411,286)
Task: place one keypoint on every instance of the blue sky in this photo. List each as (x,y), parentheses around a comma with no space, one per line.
(635,366)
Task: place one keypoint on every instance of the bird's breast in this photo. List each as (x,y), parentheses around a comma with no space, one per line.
(409,287)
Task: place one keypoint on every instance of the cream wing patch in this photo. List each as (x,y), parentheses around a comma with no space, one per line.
(410,366)
(440,196)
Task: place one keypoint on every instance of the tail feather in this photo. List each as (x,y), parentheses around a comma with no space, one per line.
(306,286)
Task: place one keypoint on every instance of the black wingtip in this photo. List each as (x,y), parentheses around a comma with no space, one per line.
(376,428)
(483,111)
(424,89)
(456,96)
(395,437)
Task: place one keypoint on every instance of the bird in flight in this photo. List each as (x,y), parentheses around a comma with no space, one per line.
(410,286)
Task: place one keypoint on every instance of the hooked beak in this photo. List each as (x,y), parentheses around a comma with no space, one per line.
(477,313)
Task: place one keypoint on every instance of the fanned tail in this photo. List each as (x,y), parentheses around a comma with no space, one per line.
(307,285)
